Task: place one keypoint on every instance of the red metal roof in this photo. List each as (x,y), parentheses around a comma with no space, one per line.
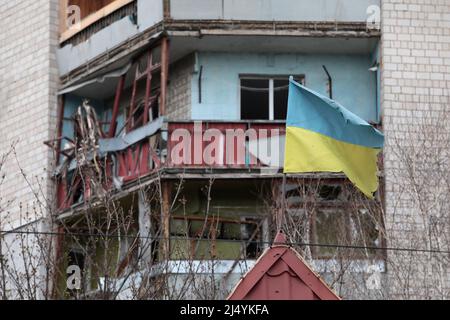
(281,274)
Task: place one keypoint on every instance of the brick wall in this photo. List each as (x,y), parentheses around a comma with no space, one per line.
(179,89)
(28,85)
(415,100)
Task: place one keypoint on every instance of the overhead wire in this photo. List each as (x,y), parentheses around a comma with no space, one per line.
(300,244)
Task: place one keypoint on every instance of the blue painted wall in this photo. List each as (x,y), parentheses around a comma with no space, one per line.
(353,85)
(72,102)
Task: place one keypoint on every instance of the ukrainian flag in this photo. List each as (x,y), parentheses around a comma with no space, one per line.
(323,136)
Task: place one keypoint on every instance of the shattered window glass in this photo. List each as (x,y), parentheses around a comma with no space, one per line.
(330,192)
(216,238)
(254,99)
(281,90)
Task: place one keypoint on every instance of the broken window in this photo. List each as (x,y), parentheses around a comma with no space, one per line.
(265,98)
(137,118)
(331,219)
(228,226)
(251,233)
(330,192)
(254,99)
(280,95)
(200,237)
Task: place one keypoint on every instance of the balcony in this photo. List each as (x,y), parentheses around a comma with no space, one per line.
(88,29)
(223,144)
(273,10)
(177,146)
(175,149)
(97,34)
(79,15)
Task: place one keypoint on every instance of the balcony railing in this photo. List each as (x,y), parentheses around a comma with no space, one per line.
(238,144)
(182,145)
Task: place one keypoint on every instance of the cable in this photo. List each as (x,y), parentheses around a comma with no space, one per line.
(231,240)
(280,88)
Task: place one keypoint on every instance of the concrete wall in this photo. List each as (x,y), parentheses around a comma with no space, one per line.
(209,282)
(353,85)
(150,12)
(70,57)
(415,97)
(282,10)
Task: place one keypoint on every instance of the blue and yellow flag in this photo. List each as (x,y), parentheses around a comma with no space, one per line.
(323,136)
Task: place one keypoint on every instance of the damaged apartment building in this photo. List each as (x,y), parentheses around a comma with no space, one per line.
(134,81)
(164,144)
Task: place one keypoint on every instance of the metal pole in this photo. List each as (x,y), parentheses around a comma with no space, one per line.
(164,74)
(115,113)
(283,204)
(60,124)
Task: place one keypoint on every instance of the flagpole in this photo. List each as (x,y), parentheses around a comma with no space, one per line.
(283,203)
(282,210)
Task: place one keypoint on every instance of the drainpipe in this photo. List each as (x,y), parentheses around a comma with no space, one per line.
(200,85)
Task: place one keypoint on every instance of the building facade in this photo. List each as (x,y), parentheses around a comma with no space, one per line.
(415,99)
(151,163)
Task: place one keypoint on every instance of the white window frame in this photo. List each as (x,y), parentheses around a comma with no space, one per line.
(271,79)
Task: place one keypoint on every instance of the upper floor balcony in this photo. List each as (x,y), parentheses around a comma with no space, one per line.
(273,10)
(111,29)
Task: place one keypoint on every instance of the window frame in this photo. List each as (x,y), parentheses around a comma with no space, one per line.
(271,79)
(214,235)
